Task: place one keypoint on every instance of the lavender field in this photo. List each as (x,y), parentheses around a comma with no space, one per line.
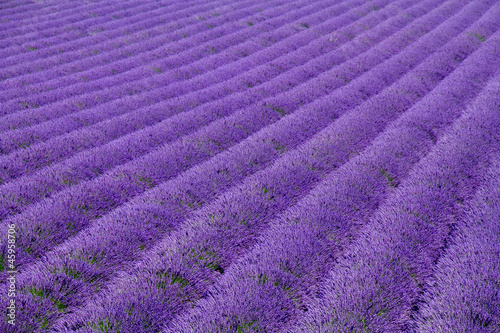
(250,166)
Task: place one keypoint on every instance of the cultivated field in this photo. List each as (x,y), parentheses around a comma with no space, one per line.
(250,166)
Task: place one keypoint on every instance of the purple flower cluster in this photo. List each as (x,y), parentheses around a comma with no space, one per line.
(250,166)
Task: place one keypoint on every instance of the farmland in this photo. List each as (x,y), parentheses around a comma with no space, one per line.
(250,166)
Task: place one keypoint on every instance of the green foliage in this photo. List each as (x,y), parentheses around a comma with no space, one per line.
(73,273)
(274,108)
(261,278)
(478,36)
(168,278)
(38,292)
(278,146)
(206,258)
(145,180)
(60,305)
(45,323)
(389,178)
(105,325)
(251,326)
(383,312)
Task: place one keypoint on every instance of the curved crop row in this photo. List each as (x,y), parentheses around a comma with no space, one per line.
(464,288)
(13,7)
(280,275)
(223,128)
(43,183)
(57,31)
(68,32)
(271,166)
(152,96)
(95,60)
(102,47)
(37,157)
(376,284)
(55,25)
(391,70)
(43,14)
(188,50)
(107,198)
(240,204)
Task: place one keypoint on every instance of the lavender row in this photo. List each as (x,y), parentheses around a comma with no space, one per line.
(68,180)
(147,73)
(340,103)
(245,202)
(13,168)
(90,99)
(55,33)
(50,26)
(26,12)
(376,284)
(279,277)
(153,169)
(107,46)
(137,299)
(37,43)
(99,40)
(38,160)
(104,47)
(151,217)
(14,6)
(114,68)
(40,14)
(154,28)
(463,296)
(59,178)
(217,90)
(87,15)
